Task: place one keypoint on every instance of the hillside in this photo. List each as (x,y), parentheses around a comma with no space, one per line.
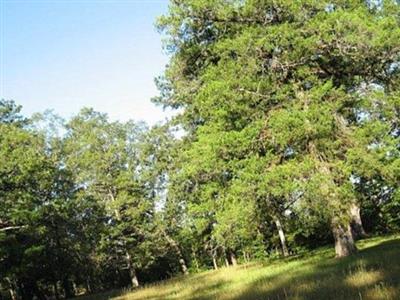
(373,273)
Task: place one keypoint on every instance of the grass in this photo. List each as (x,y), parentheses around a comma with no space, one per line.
(373,273)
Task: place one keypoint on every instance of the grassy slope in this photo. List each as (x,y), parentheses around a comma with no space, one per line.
(374,273)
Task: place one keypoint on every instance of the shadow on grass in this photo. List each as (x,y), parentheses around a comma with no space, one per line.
(201,290)
(207,291)
(373,273)
(101,295)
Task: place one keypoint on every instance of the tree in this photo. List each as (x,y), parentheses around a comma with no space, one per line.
(10,113)
(105,161)
(289,73)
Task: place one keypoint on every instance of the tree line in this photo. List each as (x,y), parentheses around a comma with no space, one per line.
(286,138)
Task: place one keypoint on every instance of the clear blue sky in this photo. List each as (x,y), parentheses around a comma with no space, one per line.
(64,55)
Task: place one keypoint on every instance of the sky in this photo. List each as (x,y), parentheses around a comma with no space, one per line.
(66,54)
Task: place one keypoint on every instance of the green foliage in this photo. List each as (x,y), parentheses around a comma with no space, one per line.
(286,138)
(288,107)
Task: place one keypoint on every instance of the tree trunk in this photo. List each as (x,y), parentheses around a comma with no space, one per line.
(88,285)
(55,288)
(226,262)
(74,287)
(11,288)
(179,254)
(356,222)
(134,279)
(282,237)
(67,288)
(132,271)
(13,294)
(182,261)
(233,258)
(344,242)
(195,259)
(183,266)
(215,262)
(245,257)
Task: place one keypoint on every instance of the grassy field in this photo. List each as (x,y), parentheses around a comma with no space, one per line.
(374,273)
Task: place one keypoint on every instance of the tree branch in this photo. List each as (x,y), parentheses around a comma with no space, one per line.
(8,228)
